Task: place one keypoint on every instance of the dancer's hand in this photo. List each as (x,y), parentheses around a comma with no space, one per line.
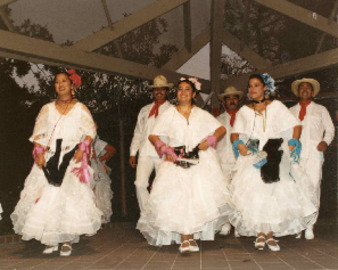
(243,150)
(78,156)
(132,161)
(40,160)
(322,146)
(169,158)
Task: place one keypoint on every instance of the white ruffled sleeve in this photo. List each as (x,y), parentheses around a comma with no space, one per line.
(88,127)
(282,120)
(244,122)
(40,132)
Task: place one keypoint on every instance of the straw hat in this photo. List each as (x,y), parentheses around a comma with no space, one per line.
(315,85)
(231,90)
(160,81)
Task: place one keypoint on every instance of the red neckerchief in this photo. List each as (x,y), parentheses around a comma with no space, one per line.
(302,112)
(233,117)
(154,109)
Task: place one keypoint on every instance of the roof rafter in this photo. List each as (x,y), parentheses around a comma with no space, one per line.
(183,55)
(44,52)
(6,20)
(303,15)
(106,35)
(6,2)
(246,52)
(296,67)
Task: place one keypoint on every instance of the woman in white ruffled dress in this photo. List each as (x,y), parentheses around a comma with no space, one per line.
(57,204)
(191,203)
(266,191)
(101,184)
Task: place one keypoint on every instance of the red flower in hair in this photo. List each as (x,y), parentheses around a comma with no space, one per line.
(75,78)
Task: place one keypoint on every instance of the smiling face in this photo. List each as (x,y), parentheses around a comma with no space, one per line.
(63,85)
(185,93)
(159,94)
(305,91)
(256,89)
(231,102)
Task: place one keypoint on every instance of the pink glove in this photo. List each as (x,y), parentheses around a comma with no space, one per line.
(212,141)
(162,149)
(37,150)
(83,171)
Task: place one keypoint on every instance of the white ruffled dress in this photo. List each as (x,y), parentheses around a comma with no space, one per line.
(53,214)
(282,207)
(101,183)
(195,200)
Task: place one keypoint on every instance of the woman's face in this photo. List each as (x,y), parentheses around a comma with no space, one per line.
(256,89)
(63,85)
(185,93)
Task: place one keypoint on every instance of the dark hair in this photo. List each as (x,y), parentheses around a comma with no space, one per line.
(62,72)
(188,82)
(257,76)
(193,101)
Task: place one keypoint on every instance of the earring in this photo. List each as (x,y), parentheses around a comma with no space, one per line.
(73,93)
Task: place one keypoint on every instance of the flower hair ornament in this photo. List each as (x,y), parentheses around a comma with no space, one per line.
(74,77)
(270,84)
(194,80)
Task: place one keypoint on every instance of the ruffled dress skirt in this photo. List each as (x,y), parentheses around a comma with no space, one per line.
(283,207)
(53,214)
(194,201)
(101,186)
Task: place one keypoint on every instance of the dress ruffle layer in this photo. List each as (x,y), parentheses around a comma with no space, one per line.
(55,215)
(282,207)
(101,186)
(186,201)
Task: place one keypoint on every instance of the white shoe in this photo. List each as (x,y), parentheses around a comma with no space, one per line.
(272,247)
(194,247)
(299,235)
(66,249)
(236,234)
(226,228)
(50,249)
(260,245)
(186,249)
(309,235)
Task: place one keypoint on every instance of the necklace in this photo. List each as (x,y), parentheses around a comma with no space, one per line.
(264,114)
(258,101)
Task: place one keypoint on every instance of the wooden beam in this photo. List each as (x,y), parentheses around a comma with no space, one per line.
(244,32)
(183,55)
(6,2)
(127,24)
(6,20)
(217,19)
(187,25)
(246,52)
(301,14)
(293,68)
(331,18)
(44,52)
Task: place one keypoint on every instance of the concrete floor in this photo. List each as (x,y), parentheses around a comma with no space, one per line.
(120,246)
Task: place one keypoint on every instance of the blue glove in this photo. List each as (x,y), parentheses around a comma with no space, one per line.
(261,163)
(235,147)
(295,153)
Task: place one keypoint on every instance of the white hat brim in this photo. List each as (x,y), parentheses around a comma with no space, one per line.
(315,84)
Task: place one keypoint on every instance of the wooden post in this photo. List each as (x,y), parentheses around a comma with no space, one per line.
(217,19)
(187,26)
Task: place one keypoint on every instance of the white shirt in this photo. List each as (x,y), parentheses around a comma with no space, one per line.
(224,146)
(144,125)
(317,126)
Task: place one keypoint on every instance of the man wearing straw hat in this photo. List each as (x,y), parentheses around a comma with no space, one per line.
(317,134)
(230,100)
(148,159)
